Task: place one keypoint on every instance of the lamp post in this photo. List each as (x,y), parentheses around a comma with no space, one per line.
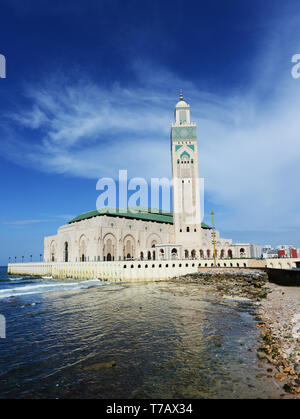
(15,259)
(22,259)
(41,257)
(30,258)
(214,237)
(9,259)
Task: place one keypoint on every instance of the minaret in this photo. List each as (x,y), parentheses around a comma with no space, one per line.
(186,193)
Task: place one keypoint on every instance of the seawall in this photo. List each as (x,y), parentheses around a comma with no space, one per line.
(126,270)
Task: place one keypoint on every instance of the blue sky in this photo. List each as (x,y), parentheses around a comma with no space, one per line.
(91,88)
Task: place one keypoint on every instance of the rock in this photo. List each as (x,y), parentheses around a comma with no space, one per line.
(262,355)
(297,390)
(288,388)
(278,376)
(297,368)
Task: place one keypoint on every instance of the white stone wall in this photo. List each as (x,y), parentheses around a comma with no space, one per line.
(119,271)
(284,263)
(96,237)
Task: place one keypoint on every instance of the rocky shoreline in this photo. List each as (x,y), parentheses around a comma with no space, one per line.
(277,316)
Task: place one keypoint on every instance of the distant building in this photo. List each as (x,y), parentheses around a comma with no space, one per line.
(281,251)
(255,251)
(294,253)
(287,251)
(268,252)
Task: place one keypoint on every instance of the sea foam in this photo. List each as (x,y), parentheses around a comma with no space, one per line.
(40,288)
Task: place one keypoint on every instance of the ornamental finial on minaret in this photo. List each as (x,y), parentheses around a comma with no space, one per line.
(181,96)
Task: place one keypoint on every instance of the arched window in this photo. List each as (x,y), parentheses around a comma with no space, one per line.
(188,229)
(128,249)
(174,253)
(66,252)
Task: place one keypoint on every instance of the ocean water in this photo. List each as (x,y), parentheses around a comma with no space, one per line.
(168,340)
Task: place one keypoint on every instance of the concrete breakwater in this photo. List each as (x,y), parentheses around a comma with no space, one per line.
(126,270)
(148,270)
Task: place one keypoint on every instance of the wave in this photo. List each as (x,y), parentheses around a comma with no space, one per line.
(41,288)
(16,279)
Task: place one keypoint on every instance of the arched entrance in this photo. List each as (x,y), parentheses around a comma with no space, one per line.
(82,249)
(66,252)
(53,251)
(108,250)
(128,248)
(174,253)
(230,254)
(109,247)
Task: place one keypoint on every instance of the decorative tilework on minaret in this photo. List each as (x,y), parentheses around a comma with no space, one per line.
(186,193)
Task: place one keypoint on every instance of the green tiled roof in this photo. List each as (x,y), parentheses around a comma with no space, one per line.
(137,213)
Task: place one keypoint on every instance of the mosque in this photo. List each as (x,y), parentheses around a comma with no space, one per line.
(145,234)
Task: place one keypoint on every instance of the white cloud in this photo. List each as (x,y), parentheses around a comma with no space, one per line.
(248,142)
